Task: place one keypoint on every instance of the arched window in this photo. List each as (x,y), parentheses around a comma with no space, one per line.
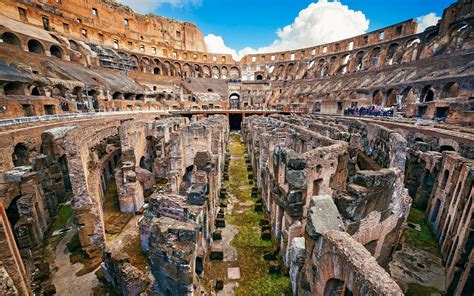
(14,88)
(35,46)
(427,95)
(10,38)
(156,71)
(56,51)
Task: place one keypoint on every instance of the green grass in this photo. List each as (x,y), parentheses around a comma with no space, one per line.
(420,290)
(425,239)
(255,276)
(59,222)
(64,213)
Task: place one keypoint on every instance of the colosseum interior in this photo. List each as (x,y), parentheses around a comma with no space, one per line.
(135,162)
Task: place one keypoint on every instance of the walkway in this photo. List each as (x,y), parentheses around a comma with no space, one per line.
(244,270)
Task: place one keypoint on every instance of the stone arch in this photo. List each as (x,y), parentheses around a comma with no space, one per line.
(157,71)
(391,98)
(35,46)
(21,155)
(56,51)
(177,69)
(206,71)
(129,96)
(167,69)
(408,96)
(224,72)
(377,98)
(391,51)
(359,61)
(234,101)
(259,77)
(428,94)
(187,70)
(450,90)
(74,45)
(375,56)
(336,287)
(117,96)
(10,38)
(14,88)
(36,90)
(216,73)
(234,73)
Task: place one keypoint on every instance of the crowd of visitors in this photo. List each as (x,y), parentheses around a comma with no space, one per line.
(373,110)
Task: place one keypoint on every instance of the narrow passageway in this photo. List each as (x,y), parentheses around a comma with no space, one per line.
(244,270)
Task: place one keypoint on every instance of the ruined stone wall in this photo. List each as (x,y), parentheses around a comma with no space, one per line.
(364,176)
(176,231)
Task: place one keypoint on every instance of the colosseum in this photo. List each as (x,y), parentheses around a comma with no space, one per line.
(133,161)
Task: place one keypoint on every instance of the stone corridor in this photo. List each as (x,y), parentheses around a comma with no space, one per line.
(250,266)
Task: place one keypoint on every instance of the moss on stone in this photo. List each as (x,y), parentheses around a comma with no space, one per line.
(415,289)
(425,239)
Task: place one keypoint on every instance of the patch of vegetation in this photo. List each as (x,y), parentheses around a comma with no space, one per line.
(64,214)
(255,276)
(415,289)
(271,285)
(249,232)
(60,221)
(425,239)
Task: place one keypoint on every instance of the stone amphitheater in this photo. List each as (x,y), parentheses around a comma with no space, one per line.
(135,162)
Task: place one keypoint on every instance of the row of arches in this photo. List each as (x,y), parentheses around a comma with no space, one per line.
(34,45)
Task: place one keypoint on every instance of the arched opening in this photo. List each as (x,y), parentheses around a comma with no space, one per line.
(35,46)
(14,88)
(10,38)
(35,91)
(317,107)
(143,162)
(377,98)
(157,71)
(73,45)
(117,96)
(391,98)
(335,287)
(20,156)
(427,94)
(234,101)
(446,148)
(187,175)
(451,90)
(56,51)
(129,96)
(259,77)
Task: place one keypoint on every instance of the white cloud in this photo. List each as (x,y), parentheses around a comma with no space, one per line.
(321,22)
(148,6)
(216,44)
(431,19)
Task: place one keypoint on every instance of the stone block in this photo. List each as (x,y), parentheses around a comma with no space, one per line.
(322,216)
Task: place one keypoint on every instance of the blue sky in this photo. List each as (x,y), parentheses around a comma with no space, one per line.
(253,23)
